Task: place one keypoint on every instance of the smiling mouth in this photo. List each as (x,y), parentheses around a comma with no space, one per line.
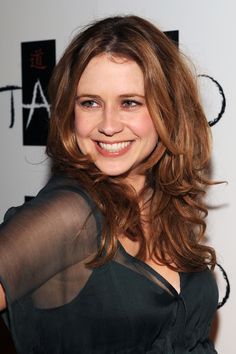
(114,147)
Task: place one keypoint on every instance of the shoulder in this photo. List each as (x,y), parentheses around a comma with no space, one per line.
(63,183)
(61,196)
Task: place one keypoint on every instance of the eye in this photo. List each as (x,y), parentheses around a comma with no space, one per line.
(89,104)
(131,103)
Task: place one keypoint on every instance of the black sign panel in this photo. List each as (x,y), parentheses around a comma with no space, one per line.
(38,60)
(28,198)
(174,35)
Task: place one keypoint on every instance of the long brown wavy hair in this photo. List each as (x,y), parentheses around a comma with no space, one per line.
(177,170)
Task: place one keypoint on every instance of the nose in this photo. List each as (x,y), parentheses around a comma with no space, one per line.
(111,122)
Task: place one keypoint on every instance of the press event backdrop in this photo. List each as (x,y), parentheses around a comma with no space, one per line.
(206,30)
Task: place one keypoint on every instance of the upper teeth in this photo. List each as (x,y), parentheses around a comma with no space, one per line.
(114,147)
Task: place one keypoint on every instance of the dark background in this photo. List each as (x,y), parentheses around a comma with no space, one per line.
(6,345)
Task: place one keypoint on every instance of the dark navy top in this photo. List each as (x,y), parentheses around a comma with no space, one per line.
(57,305)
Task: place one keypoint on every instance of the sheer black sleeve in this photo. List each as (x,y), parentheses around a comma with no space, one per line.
(45,244)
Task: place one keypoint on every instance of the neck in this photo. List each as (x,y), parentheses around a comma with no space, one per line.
(137,182)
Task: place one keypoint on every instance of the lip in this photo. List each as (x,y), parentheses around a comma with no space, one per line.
(118,153)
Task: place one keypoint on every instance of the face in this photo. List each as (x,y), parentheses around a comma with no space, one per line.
(112,122)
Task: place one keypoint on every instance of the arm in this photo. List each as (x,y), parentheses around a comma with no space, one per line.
(2,298)
(43,238)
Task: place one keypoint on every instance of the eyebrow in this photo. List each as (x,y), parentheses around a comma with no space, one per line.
(121,96)
(131,95)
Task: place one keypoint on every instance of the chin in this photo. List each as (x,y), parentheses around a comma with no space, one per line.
(113,173)
(112,169)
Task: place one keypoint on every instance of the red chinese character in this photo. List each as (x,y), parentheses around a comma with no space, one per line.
(36,59)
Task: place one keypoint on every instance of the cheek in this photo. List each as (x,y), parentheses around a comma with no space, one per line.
(82,133)
(82,128)
(144,127)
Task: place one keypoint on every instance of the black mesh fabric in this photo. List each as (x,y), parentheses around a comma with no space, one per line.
(45,245)
(58,305)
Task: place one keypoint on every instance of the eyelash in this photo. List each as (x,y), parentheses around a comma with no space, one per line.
(128,103)
(88,103)
(133,104)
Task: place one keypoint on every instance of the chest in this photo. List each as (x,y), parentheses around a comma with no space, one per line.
(171,276)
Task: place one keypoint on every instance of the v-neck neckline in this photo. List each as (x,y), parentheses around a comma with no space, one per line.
(154,272)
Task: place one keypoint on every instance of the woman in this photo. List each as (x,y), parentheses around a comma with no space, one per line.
(108,257)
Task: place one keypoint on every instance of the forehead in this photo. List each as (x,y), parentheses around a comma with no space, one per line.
(109,72)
